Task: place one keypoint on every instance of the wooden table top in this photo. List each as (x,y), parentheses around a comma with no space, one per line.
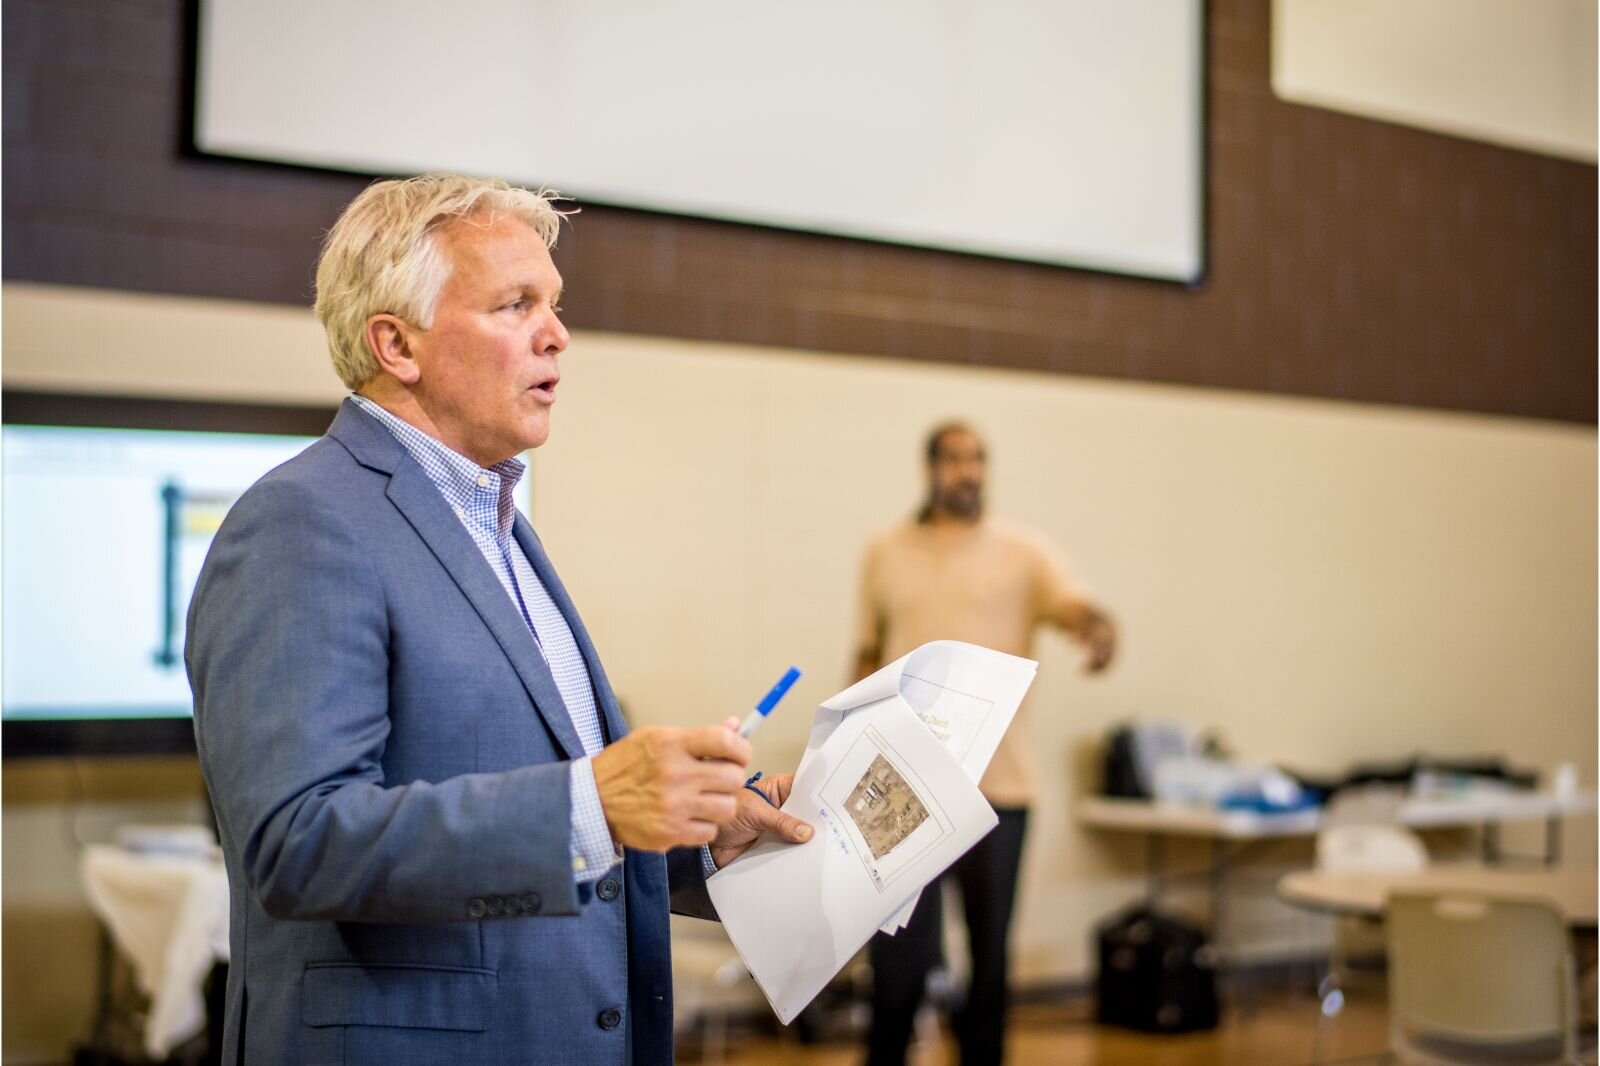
(1572,890)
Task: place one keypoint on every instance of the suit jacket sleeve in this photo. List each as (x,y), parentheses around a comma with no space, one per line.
(686,877)
(288,655)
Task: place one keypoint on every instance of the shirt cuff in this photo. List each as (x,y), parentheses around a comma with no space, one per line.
(593,850)
(705,860)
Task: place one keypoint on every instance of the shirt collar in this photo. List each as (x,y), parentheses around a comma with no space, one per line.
(467,487)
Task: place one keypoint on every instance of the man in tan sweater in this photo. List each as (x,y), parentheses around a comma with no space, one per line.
(953,573)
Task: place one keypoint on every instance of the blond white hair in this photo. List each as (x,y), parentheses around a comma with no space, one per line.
(383,255)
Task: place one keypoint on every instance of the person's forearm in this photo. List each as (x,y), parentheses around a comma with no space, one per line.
(1080,617)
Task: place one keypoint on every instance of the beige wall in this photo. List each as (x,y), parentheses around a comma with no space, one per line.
(1317,582)
(1519,73)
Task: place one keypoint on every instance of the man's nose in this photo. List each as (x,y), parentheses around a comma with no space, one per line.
(553,338)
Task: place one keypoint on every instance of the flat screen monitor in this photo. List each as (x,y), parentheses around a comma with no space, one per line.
(109,507)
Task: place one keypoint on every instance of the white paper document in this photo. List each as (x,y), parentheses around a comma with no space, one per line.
(889,781)
(964,693)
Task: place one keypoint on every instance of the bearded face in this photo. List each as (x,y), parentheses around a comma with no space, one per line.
(956,475)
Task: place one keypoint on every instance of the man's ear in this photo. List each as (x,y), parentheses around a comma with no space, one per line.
(388,338)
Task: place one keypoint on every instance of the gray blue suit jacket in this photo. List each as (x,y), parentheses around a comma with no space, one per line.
(387,754)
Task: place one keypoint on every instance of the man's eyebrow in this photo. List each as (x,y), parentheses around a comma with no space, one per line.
(518,289)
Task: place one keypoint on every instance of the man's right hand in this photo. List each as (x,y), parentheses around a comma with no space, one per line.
(662,788)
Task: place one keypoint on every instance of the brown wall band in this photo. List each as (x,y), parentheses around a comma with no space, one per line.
(1347,259)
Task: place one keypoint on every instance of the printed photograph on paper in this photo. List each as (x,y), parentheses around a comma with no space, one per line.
(874,806)
(884,808)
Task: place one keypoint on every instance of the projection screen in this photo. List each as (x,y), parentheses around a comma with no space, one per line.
(1056,131)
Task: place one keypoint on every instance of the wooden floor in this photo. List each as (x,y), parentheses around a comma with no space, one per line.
(1279,1030)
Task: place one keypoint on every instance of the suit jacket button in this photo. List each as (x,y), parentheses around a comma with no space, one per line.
(530,903)
(610,1018)
(477,908)
(513,905)
(608,889)
(497,906)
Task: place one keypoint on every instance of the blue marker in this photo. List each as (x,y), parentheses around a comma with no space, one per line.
(769,701)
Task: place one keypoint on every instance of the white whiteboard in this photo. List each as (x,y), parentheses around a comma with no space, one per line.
(1060,131)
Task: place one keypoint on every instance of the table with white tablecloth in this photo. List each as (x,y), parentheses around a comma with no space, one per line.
(168,915)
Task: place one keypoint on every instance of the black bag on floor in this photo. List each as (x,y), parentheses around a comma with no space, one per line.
(1157,974)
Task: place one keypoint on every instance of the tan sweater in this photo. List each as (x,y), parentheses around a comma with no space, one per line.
(991,584)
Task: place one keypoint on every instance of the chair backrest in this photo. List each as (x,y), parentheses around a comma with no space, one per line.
(1373,804)
(1468,970)
(1370,848)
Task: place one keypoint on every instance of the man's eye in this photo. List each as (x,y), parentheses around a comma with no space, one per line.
(556,309)
(518,305)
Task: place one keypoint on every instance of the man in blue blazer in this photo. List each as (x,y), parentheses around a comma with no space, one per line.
(443,843)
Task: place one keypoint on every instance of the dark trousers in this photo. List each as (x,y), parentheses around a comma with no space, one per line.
(987,879)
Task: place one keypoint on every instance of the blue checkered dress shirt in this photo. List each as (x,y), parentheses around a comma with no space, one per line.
(482,499)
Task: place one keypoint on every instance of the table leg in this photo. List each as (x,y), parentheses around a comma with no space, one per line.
(1241,986)
(1214,876)
(1155,857)
(100,1041)
(1491,843)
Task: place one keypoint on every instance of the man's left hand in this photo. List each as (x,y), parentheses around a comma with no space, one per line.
(755,816)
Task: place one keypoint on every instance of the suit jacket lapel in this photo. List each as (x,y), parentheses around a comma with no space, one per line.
(418,499)
(616,728)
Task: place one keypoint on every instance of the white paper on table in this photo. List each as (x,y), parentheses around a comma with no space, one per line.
(965,694)
(892,809)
